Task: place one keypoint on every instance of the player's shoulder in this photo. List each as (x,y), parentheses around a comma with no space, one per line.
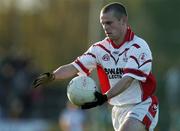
(103,42)
(97,46)
(140,42)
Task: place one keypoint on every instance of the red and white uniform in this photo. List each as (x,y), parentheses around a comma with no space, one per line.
(131,58)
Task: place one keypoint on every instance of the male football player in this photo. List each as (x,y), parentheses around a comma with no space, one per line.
(123,61)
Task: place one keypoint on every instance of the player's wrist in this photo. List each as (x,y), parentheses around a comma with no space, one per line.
(50,76)
(101,98)
(107,95)
(53,77)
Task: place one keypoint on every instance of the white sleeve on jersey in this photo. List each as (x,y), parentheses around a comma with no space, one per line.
(86,62)
(139,63)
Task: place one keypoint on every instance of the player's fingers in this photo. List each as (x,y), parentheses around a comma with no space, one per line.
(89,105)
(97,94)
(37,83)
(41,80)
(43,76)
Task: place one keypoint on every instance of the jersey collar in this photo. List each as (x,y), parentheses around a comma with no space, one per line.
(128,37)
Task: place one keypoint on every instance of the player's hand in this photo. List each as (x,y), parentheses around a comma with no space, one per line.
(43,79)
(100,99)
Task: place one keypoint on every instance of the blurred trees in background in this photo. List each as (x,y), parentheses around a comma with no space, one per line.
(54,32)
(52,35)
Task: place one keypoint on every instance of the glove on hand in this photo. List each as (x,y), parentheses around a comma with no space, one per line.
(100,99)
(43,79)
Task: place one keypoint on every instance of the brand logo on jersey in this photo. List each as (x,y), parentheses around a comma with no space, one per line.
(115,52)
(114,73)
(125,58)
(106,57)
(142,57)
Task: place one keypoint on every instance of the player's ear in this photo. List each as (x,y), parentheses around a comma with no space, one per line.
(124,20)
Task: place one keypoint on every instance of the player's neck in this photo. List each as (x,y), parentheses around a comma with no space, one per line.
(120,39)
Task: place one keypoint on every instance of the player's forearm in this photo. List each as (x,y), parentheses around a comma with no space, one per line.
(65,71)
(121,86)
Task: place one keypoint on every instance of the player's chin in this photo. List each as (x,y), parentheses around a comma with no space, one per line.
(109,36)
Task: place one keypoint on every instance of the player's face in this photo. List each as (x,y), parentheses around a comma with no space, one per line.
(113,27)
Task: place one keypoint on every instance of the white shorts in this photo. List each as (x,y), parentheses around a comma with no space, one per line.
(146,111)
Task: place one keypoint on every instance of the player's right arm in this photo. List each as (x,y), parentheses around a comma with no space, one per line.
(62,72)
(65,71)
(82,65)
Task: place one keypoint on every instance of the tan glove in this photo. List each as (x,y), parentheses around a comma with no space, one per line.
(43,79)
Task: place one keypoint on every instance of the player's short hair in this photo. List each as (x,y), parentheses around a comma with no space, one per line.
(118,9)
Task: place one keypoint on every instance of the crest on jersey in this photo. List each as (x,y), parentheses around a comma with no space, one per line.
(115,52)
(154,107)
(125,58)
(106,57)
(142,57)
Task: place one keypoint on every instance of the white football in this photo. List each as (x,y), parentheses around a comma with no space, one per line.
(81,90)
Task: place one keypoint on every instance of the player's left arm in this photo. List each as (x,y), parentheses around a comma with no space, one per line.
(121,86)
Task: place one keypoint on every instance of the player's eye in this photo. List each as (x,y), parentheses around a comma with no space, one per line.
(102,23)
(108,22)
